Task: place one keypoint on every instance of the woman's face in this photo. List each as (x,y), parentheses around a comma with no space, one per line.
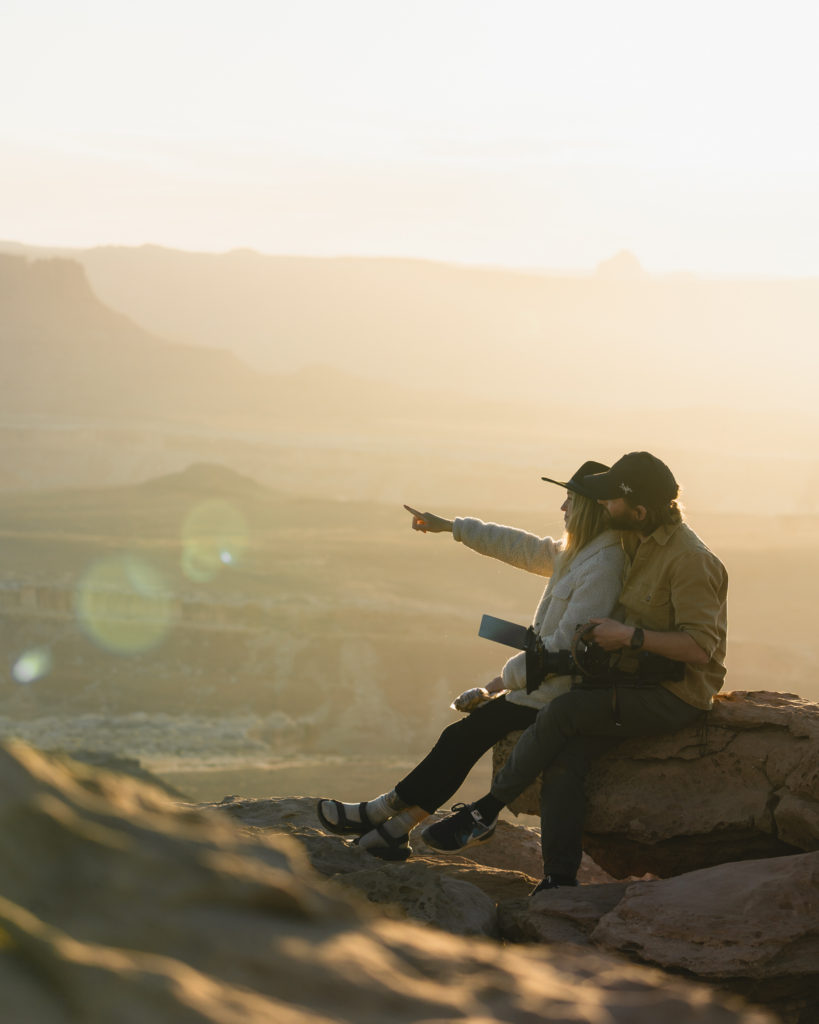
(566,508)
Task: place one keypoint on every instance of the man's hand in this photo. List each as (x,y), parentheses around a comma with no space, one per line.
(426,522)
(674,644)
(610,634)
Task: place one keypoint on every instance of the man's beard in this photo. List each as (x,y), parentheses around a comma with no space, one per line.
(624,521)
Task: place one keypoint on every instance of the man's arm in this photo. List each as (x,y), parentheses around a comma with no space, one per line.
(677,645)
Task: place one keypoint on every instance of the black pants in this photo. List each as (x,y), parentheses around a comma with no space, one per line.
(460,746)
(561,744)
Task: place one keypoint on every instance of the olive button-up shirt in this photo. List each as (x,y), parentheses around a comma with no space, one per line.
(675,583)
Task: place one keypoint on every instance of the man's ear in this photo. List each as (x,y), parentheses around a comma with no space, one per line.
(641,512)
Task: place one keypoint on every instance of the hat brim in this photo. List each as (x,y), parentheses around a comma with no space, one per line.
(577,486)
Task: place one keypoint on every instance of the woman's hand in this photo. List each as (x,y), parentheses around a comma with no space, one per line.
(471,699)
(426,522)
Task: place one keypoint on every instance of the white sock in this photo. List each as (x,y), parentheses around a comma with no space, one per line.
(384,807)
(378,810)
(398,826)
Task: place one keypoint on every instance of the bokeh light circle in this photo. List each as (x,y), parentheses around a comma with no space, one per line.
(32,665)
(214,537)
(124,604)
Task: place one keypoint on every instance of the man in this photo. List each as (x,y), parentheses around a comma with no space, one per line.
(673,605)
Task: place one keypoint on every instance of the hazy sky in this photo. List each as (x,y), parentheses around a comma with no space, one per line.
(512,132)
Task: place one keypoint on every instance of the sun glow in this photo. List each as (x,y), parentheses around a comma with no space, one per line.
(524,134)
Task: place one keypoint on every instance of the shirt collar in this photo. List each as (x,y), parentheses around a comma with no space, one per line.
(663,534)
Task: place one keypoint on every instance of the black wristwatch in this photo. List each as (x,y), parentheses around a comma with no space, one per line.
(637,639)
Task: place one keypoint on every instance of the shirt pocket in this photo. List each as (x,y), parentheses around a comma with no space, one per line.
(655,610)
(552,609)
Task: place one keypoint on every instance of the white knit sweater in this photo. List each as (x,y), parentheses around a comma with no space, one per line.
(589,589)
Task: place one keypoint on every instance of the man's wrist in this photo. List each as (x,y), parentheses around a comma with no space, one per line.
(637,639)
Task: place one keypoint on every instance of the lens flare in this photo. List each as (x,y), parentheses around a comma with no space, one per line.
(214,536)
(32,665)
(124,604)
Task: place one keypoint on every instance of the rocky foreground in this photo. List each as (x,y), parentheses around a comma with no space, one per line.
(750,928)
(117,902)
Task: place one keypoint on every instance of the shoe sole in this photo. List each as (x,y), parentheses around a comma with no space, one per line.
(392,853)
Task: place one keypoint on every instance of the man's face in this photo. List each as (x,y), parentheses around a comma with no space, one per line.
(620,515)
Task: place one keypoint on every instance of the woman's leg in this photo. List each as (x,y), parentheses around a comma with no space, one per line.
(437,777)
(442,772)
(355,819)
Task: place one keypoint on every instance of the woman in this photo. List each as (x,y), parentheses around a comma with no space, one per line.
(586,569)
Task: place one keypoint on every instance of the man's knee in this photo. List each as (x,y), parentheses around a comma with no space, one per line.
(561,713)
(577,712)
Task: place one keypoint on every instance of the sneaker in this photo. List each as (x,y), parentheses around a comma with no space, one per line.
(553,882)
(463,828)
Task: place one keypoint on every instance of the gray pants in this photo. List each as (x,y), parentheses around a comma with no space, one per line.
(561,743)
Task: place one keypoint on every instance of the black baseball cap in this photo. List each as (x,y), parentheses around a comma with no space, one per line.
(638,476)
(576,483)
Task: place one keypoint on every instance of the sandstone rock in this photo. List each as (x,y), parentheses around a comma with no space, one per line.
(512,848)
(753,926)
(745,787)
(559,915)
(115,763)
(457,894)
(422,888)
(457,905)
(506,868)
(117,904)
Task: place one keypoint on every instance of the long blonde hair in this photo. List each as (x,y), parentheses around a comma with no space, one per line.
(586,521)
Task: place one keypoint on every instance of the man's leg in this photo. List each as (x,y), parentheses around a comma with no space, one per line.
(641,711)
(580,714)
(563,805)
(476,823)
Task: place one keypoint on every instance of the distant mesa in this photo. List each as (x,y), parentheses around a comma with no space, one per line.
(50,290)
(207,478)
(97,362)
(623,266)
